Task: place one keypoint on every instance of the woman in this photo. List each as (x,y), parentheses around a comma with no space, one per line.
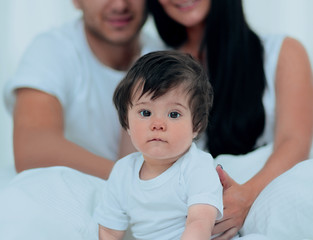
(262,92)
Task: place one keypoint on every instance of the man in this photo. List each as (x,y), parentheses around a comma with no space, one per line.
(61,100)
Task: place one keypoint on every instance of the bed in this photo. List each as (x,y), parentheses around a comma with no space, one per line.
(61,201)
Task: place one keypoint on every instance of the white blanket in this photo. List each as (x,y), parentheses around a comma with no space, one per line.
(59,201)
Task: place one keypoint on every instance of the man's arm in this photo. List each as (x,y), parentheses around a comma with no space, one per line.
(110,234)
(39,137)
(200,222)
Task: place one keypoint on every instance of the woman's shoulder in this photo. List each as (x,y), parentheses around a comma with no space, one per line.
(278,42)
(279,48)
(292,46)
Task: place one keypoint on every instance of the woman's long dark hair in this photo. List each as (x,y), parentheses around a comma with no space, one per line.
(234,60)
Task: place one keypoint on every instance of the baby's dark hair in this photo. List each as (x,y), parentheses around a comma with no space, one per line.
(158,72)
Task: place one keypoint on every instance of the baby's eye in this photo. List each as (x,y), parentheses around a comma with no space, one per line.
(174,115)
(145,113)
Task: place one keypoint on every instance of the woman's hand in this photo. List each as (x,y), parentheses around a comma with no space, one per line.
(237,202)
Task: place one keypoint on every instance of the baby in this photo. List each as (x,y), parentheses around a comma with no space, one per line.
(169,189)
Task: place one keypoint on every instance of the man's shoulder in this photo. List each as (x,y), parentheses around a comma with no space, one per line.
(66,34)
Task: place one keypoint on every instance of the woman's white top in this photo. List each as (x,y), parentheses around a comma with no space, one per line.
(272,45)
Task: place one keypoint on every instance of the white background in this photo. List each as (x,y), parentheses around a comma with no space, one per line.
(21,20)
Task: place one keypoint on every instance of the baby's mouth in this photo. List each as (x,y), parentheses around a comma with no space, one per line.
(156,140)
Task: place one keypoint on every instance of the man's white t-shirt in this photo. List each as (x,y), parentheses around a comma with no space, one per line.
(61,63)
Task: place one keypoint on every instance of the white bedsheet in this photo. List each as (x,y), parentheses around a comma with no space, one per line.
(60,201)
(7,172)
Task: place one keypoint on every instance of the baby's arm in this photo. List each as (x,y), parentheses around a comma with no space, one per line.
(110,234)
(200,222)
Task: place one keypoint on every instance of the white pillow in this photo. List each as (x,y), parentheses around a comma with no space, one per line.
(284,209)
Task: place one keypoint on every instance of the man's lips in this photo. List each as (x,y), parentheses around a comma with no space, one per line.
(120,21)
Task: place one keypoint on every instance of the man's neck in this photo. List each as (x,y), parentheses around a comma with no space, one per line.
(117,56)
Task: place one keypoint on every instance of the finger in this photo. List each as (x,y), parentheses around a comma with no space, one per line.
(227,235)
(222,226)
(226,180)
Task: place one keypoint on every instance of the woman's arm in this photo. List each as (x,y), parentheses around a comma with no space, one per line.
(39,137)
(200,222)
(292,141)
(294,114)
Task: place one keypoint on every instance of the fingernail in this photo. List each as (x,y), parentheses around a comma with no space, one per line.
(220,166)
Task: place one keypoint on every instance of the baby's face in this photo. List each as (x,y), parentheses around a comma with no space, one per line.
(162,128)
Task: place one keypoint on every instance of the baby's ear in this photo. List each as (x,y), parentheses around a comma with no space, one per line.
(195,134)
